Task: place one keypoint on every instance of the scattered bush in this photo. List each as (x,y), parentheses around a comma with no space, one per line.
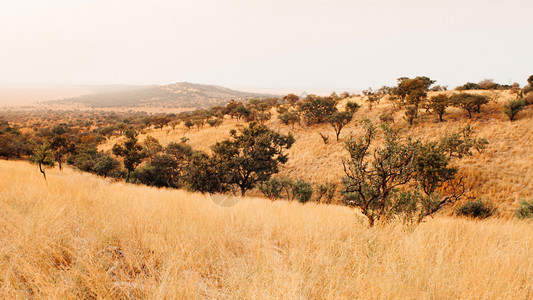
(352,107)
(525,209)
(478,209)
(326,191)
(302,191)
(513,107)
(468,86)
(215,122)
(386,117)
(289,117)
(276,188)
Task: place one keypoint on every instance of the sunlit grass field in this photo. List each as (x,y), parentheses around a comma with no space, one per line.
(80,236)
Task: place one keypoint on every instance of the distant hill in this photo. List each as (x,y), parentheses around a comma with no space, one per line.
(178,95)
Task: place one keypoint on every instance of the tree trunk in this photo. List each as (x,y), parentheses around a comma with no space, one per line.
(370,221)
(42,171)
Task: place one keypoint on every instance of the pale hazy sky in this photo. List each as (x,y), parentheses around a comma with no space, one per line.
(270,44)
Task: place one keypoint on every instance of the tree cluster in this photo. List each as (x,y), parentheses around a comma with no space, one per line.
(247,158)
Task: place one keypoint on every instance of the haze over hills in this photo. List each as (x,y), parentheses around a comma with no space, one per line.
(177,95)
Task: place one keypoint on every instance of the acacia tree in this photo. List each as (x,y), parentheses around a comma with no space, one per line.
(202,174)
(161,121)
(42,156)
(104,164)
(250,157)
(469,102)
(188,123)
(60,148)
(404,177)
(182,154)
(151,147)
(174,123)
(162,171)
(289,117)
(413,91)
(438,104)
(371,97)
(131,152)
(338,120)
(291,99)
(316,110)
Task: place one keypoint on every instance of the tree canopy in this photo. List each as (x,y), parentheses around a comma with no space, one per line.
(251,156)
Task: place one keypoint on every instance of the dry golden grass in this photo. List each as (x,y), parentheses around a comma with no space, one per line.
(83,237)
(502,174)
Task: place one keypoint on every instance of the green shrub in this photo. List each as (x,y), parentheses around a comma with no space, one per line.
(478,209)
(289,117)
(352,106)
(215,122)
(386,117)
(276,188)
(302,191)
(326,191)
(525,209)
(513,107)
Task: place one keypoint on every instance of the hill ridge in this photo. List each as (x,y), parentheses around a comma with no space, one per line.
(175,95)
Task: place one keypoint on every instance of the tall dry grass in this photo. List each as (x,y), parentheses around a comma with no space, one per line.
(80,236)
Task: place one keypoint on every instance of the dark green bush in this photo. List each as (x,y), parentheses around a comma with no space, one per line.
(525,209)
(478,209)
(276,188)
(302,191)
(513,107)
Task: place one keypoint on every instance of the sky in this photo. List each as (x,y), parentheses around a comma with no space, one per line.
(334,44)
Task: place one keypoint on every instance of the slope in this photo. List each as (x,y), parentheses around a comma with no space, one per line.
(502,173)
(83,237)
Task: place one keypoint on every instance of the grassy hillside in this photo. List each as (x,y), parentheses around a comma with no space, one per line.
(83,237)
(502,173)
(178,95)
